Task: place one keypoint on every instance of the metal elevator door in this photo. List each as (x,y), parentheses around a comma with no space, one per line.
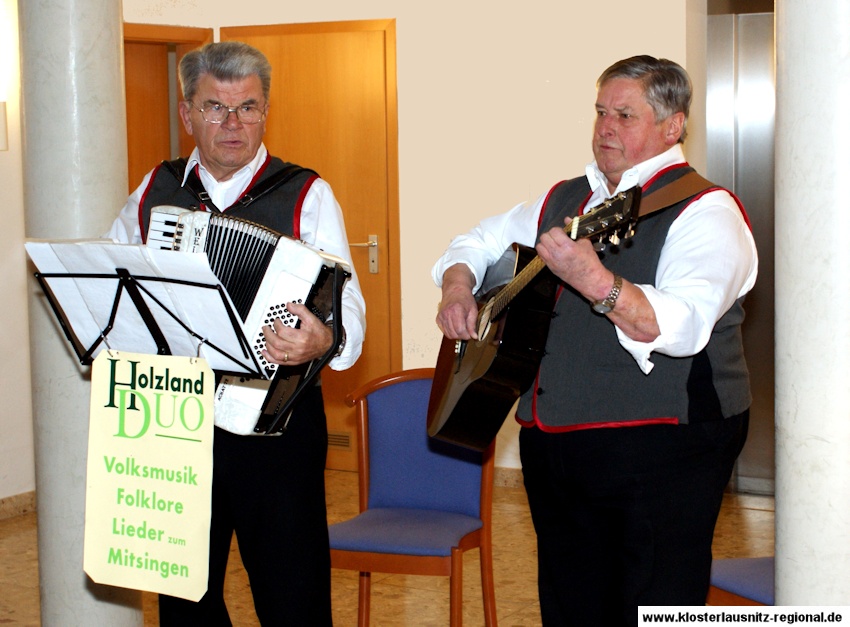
(740,142)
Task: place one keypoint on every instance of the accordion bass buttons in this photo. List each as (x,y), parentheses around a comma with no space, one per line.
(274,312)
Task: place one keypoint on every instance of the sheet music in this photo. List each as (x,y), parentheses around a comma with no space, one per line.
(190,294)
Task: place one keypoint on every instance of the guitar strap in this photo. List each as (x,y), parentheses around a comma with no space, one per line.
(193,184)
(684,187)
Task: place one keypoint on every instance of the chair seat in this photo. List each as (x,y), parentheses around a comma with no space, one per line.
(403,531)
(750,577)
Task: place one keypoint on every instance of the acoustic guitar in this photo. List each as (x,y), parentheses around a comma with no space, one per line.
(477,382)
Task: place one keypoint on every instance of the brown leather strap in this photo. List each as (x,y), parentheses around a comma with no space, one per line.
(677,191)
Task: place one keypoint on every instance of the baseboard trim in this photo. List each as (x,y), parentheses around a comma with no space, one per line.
(16,505)
(755,485)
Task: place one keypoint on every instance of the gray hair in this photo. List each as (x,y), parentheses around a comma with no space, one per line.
(224,61)
(666,84)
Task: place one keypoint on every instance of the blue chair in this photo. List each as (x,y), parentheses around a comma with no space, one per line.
(422,502)
(742,581)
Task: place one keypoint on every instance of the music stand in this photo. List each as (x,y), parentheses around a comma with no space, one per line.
(175,305)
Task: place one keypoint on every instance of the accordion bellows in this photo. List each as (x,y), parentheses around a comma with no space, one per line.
(261,271)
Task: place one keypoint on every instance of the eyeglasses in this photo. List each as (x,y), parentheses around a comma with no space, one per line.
(216,113)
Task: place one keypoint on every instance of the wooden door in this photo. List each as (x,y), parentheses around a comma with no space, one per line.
(146,88)
(151,54)
(333,109)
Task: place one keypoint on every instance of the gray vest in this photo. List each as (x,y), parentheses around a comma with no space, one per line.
(277,210)
(587,379)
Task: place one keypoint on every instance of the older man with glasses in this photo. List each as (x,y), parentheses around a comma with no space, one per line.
(269,490)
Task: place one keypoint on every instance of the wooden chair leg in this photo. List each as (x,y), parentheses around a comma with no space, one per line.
(363,599)
(456,589)
(488,587)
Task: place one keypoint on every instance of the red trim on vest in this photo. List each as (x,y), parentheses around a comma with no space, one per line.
(701,194)
(546,202)
(628,423)
(296,218)
(596,425)
(585,201)
(143,229)
(743,211)
(253,182)
(658,174)
(734,197)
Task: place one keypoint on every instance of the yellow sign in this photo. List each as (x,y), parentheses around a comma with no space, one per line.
(149,473)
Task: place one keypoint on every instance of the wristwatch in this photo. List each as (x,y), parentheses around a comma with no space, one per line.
(604,306)
(341,344)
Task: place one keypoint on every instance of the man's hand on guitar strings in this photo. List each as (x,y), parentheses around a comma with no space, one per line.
(288,346)
(457,314)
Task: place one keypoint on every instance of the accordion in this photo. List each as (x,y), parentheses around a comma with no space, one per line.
(261,271)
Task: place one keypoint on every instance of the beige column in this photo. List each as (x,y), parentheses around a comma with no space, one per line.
(812,303)
(75,181)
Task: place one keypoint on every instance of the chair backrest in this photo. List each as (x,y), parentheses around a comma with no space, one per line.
(405,467)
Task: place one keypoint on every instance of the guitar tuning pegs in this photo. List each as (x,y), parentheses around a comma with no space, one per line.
(599,245)
(614,239)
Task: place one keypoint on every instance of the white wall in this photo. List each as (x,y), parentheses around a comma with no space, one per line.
(17,469)
(494,108)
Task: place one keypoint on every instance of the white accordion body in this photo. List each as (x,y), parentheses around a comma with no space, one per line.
(261,271)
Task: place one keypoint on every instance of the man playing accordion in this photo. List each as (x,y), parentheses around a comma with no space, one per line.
(281,523)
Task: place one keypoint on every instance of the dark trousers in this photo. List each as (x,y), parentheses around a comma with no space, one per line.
(625,516)
(270,491)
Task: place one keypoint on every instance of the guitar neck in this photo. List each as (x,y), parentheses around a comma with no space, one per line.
(608,216)
(516,285)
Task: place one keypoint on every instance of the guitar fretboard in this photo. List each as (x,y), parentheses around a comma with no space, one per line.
(597,222)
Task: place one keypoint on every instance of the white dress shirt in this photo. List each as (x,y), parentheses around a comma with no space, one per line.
(708,261)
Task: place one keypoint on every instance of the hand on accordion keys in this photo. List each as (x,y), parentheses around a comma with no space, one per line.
(292,346)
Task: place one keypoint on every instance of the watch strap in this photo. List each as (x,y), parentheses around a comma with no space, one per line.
(608,303)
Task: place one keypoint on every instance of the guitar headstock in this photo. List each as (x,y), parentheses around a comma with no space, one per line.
(611,220)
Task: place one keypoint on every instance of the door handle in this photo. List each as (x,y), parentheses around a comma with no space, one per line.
(372,245)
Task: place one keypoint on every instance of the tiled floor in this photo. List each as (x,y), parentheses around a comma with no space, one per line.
(745,529)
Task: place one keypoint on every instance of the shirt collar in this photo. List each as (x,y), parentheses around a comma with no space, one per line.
(636,175)
(249,168)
